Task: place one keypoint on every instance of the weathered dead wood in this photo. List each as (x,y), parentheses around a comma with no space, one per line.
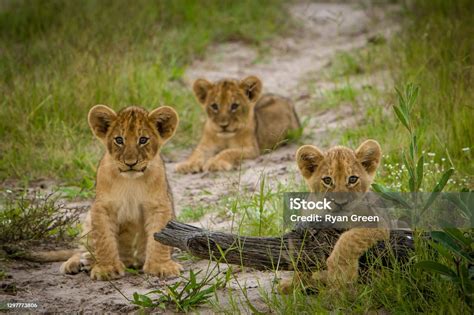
(304,247)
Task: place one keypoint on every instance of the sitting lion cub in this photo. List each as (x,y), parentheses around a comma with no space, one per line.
(340,169)
(240,124)
(133,199)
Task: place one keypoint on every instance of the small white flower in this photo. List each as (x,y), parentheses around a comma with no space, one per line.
(443,159)
(9,191)
(431,154)
(466,149)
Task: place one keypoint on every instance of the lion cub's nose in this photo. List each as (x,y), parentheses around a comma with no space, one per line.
(131,163)
(341,202)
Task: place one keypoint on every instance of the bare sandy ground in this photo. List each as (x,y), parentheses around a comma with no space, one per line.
(291,62)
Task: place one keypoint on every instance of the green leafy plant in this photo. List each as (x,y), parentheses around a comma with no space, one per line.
(413,160)
(457,250)
(454,246)
(185,294)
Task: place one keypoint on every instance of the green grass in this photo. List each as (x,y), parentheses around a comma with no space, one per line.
(59,58)
(192,213)
(433,51)
(331,98)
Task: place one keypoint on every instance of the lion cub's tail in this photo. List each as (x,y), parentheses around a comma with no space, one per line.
(50,256)
(38,256)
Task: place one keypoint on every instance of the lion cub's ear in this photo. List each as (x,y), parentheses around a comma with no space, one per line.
(252,87)
(100,118)
(201,89)
(308,158)
(165,120)
(369,154)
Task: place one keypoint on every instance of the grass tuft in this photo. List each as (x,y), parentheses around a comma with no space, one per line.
(31,218)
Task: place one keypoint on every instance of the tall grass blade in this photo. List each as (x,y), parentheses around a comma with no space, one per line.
(437,189)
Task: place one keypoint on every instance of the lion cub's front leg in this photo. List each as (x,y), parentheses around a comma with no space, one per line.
(227,159)
(197,159)
(104,231)
(193,164)
(158,260)
(343,263)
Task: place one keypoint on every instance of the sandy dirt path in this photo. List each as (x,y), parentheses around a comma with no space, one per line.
(287,67)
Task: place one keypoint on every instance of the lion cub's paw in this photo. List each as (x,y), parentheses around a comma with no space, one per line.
(216,165)
(188,167)
(299,281)
(337,274)
(286,286)
(108,272)
(163,270)
(71,266)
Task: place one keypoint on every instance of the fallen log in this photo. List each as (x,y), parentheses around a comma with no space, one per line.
(305,247)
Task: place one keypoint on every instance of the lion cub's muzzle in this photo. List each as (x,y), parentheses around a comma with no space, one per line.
(343,201)
(132,169)
(226,131)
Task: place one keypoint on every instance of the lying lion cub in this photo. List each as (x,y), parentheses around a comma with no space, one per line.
(133,199)
(340,169)
(240,124)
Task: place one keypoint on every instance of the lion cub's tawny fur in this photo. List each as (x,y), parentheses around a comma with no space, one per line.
(341,169)
(240,124)
(133,199)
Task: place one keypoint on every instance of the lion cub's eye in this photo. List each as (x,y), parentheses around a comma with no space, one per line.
(143,140)
(327,180)
(234,107)
(215,107)
(118,140)
(353,179)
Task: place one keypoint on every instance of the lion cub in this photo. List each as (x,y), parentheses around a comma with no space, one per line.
(133,199)
(240,124)
(341,169)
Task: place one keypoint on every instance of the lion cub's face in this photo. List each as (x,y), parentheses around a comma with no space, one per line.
(228,103)
(339,169)
(133,136)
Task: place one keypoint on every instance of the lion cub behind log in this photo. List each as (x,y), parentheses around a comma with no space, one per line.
(340,169)
(240,124)
(133,199)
